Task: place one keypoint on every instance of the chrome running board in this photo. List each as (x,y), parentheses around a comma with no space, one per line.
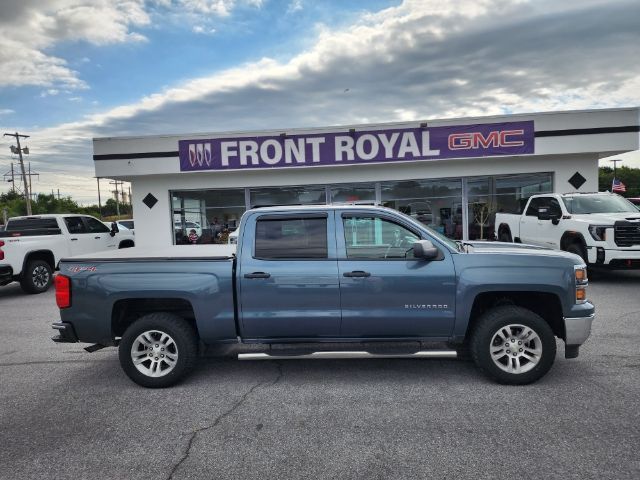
(348,355)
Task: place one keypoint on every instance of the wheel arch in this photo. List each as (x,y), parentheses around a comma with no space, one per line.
(46,255)
(570,237)
(126,244)
(504,227)
(126,311)
(545,304)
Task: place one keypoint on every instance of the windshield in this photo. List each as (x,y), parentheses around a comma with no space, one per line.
(585,204)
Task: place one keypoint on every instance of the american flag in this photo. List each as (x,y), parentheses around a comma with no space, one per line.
(618,186)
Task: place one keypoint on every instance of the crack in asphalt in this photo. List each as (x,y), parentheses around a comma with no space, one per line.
(221,417)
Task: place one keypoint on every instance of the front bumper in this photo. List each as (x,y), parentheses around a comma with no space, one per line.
(66,333)
(610,256)
(577,329)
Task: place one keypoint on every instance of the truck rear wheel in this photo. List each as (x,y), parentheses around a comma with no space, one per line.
(158,350)
(36,277)
(513,345)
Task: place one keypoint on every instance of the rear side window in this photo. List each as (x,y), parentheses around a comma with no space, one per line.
(291,238)
(75,225)
(31,224)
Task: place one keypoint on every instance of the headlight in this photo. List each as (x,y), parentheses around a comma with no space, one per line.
(599,232)
(580,272)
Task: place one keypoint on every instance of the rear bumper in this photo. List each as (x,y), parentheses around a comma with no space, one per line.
(66,333)
(577,329)
(6,274)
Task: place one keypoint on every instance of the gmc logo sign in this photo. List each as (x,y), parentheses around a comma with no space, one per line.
(498,138)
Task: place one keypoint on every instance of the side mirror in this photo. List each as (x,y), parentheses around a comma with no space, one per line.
(425,249)
(114,229)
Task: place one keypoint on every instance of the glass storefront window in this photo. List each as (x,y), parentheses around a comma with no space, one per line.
(206,216)
(302,195)
(354,193)
(435,203)
(505,194)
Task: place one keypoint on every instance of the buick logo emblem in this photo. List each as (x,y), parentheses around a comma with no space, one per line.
(200,153)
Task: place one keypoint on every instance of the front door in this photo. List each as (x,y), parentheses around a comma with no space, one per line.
(384,290)
(101,235)
(288,277)
(79,240)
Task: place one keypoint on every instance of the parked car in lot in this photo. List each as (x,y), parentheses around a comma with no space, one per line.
(602,228)
(126,224)
(31,247)
(303,282)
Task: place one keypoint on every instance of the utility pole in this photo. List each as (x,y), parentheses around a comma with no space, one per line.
(116,182)
(19,151)
(99,199)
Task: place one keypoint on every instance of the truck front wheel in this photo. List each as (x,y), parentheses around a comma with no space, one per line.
(579,250)
(36,277)
(158,350)
(513,345)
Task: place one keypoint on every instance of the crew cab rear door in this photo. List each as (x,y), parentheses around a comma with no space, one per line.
(385,291)
(288,276)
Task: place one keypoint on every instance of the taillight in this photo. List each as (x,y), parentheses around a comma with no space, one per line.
(63,291)
(1,252)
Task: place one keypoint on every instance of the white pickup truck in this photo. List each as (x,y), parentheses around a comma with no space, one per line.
(603,228)
(31,247)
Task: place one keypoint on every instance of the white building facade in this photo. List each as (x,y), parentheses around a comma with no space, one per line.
(453,175)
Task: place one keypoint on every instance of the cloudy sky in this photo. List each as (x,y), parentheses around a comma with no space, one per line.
(72,70)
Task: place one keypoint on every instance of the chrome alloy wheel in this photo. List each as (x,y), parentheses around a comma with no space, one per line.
(40,276)
(154,353)
(516,349)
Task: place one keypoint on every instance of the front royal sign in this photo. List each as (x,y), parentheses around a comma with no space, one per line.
(357,147)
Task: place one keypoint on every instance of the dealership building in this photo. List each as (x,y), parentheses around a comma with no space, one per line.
(451,174)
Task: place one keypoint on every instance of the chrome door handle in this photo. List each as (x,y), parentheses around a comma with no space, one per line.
(357,274)
(257,275)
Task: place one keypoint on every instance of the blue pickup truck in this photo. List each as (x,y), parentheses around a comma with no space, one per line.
(328,282)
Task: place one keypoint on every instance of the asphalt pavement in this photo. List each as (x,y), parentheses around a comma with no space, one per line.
(65,413)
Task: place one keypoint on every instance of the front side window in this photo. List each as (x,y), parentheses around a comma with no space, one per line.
(292,238)
(96,226)
(75,225)
(377,238)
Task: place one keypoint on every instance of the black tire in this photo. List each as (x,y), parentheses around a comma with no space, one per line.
(505,236)
(37,277)
(180,332)
(579,250)
(485,334)
(126,244)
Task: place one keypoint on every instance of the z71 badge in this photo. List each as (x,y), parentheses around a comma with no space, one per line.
(90,268)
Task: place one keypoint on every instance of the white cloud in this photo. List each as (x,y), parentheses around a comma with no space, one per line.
(294,6)
(6,111)
(30,28)
(200,29)
(219,8)
(419,60)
